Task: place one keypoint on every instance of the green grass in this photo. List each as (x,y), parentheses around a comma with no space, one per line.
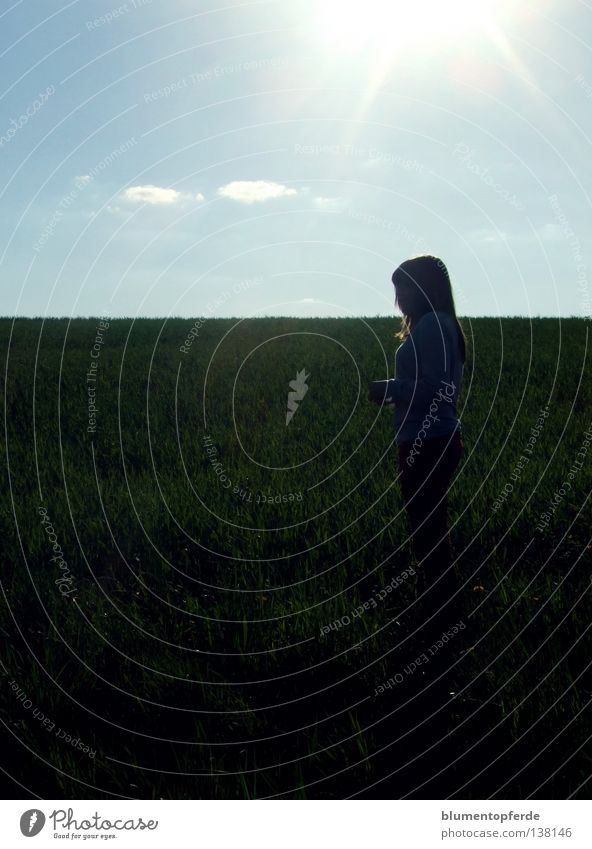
(191,659)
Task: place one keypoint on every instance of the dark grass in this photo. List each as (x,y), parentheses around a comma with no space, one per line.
(190,656)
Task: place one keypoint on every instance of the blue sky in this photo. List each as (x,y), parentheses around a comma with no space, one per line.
(281,158)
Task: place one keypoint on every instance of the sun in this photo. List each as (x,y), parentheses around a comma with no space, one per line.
(382,25)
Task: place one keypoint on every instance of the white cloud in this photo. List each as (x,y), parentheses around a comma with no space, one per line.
(551,232)
(548,232)
(330,203)
(118,211)
(83,180)
(254,191)
(487,234)
(153,195)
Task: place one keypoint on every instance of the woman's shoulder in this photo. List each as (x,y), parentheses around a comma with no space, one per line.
(438,325)
(435,320)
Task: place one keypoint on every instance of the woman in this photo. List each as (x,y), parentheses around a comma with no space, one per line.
(429,368)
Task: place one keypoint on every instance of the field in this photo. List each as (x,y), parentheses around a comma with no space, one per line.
(181,567)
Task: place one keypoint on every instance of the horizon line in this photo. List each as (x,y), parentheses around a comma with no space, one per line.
(260,317)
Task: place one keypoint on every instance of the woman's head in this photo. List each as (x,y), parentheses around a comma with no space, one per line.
(422,284)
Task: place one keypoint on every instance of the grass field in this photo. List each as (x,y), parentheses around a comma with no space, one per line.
(180,567)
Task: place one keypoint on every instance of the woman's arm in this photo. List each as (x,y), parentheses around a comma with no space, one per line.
(433,355)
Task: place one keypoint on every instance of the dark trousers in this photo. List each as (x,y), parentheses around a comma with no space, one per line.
(425,474)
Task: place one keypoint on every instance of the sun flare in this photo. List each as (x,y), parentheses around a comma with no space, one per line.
(381,25)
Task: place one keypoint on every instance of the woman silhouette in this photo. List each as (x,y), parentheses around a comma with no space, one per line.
(429,367)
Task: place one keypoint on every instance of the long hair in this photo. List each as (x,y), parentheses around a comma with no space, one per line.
(423,284)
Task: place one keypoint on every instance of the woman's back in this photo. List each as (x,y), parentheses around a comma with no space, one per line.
(429,371)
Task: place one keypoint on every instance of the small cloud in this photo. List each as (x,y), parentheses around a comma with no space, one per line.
(82,180)
(551,232)
(307,301)
(199,196)
(330,203)
(118,211)
(254,191)
(485,234)
(153,195)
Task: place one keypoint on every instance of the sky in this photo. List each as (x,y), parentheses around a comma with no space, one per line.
(282,158)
